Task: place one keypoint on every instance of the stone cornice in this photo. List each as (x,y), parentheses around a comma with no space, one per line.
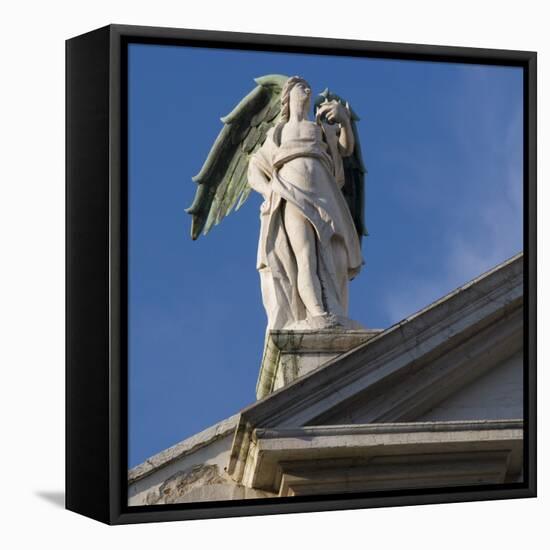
(287,460)
(339,450)
(307,432)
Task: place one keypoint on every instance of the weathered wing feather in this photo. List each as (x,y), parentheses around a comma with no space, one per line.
(222,181)
(219,193)
(237,181)
(354,169)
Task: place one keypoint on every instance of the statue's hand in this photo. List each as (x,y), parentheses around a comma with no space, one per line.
(333,111)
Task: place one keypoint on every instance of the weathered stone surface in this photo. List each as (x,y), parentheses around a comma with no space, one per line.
(325,459)
(183,448)
(178,485)
(422,385)
(497,394)
(209,447)
(202,482)
(290,354)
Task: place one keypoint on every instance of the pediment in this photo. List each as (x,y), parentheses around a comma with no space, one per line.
(479,379)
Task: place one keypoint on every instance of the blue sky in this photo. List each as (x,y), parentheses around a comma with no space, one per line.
(443,147)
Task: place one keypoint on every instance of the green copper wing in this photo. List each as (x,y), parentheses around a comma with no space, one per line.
(354,168)
(222,180)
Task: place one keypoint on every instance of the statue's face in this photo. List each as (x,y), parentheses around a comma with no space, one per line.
(300,96)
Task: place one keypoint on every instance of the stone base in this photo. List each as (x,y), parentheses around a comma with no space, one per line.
(290,354)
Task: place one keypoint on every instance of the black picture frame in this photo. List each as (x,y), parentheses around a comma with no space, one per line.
(96,272)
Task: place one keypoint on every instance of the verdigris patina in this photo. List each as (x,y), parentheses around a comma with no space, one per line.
(311,176)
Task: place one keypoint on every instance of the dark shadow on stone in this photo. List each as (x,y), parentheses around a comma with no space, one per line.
(54,497)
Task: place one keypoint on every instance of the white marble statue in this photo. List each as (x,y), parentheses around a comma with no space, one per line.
(309,246)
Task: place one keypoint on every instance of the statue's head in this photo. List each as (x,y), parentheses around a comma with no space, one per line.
(296,93)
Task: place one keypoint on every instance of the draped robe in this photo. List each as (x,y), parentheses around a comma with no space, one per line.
(315,189)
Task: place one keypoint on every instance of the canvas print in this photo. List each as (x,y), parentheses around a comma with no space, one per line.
(325,275)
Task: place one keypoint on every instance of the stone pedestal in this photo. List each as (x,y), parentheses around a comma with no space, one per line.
(289,354)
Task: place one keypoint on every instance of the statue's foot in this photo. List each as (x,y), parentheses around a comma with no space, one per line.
(331,321)
(315,322)
(326,321)
(350,324)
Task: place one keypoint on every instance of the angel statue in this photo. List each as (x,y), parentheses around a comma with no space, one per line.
(311,177)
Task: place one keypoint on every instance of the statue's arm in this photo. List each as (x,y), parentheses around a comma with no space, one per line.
(260,168)
(335,112)
(258,177)
(346,141)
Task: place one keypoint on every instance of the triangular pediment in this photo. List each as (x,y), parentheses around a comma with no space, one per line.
(478,379)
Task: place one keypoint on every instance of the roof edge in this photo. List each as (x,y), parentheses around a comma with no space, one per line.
(183,448)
